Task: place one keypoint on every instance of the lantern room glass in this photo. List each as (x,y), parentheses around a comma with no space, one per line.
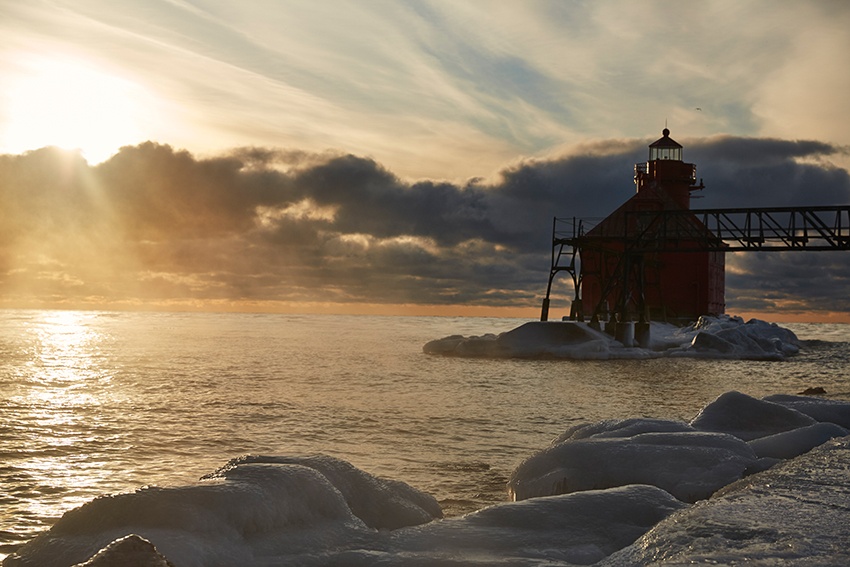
(666,153)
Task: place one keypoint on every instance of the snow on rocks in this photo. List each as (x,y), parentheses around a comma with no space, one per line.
(748,418)
(691,461)
(820,409)
(557,339)
(789,444)
(614,493)
(730,337)
(621,428)
(252,507)
(793,514)
(579,528)
(381,503)
(128,551)
(723,337)
(690,465)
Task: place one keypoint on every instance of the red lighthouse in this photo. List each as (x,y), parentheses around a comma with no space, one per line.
(664,284)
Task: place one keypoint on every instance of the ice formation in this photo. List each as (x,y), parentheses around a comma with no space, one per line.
(820,409)
(379,502)
(792,514)
(572,529)
(789,444)
(128,551)
(710,337)
(690,465)
(248,511)
(628,488)
(565,339)
(748,418)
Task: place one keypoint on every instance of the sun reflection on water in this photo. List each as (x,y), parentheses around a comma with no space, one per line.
(66,348)
(51,402)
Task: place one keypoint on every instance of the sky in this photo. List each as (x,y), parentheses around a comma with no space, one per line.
(398,157)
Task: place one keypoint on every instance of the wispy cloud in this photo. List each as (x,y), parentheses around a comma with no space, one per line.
(453,90)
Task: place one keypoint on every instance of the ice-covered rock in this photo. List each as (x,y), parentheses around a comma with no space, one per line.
(381,503)
(621,428)
(621,479)
(555,339)
(243,511)
(706,342)
(573,528)
(748,418)
(793,514)
(129,551)
(789,444)
(710,337)
(819,409)
(730,337)
(690,465)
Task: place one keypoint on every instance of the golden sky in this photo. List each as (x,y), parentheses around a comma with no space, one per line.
(399,156)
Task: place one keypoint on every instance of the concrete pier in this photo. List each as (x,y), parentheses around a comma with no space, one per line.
(625,333)
(642,334)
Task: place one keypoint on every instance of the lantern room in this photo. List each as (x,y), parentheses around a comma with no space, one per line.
(665,171)
(665,148)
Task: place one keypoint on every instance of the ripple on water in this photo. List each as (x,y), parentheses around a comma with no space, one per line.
(99,403)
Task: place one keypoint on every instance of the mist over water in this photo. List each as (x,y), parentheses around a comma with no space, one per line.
(102,402)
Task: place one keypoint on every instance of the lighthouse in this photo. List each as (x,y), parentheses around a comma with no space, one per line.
(662,284)
(665,171)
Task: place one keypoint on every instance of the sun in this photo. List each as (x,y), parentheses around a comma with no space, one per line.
(73,105)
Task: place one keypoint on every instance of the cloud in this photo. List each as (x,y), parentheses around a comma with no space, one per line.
(445,89)
(789,282)
(155,224)
(768,172)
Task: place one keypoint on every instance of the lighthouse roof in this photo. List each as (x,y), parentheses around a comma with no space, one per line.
(665,141)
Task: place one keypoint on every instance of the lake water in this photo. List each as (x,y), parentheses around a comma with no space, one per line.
(105,402)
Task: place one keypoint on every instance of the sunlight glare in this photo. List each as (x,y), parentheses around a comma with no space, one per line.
(72,105)
(65,361)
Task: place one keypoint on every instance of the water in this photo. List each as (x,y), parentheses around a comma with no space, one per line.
(103,402)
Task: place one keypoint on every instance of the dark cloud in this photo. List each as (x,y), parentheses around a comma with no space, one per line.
(751,172)
(788,281)
(157,224)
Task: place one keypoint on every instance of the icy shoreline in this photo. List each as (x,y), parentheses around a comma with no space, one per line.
(723,337)
(793,514)
(747,479)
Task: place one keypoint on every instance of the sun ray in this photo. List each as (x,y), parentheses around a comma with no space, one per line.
(72,104)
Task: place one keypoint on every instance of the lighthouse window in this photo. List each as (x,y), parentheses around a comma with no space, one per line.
(665,153)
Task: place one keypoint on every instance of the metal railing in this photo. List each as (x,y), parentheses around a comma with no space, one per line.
(769,229)
(734,230)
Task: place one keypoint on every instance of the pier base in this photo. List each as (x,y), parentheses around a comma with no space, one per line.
(625,333)
(642,334)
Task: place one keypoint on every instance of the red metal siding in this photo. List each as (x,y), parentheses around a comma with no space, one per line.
(677,285)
